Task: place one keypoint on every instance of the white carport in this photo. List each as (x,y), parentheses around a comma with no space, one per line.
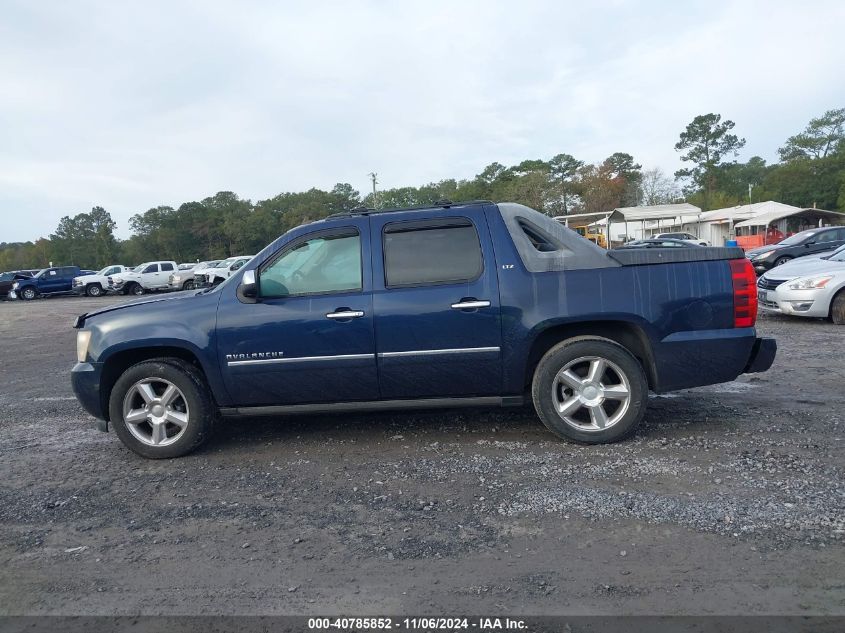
(807,217)
(720,225)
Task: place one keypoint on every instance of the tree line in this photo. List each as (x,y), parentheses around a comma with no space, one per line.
(810,172)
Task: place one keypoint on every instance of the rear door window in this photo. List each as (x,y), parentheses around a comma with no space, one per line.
(431,252)
(166,267)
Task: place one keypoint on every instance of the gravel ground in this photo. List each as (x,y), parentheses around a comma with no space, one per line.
(729,500)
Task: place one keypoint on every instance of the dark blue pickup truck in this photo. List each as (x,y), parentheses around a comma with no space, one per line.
(458,304)
(48,281)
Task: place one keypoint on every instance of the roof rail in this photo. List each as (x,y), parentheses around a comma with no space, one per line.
(442,203)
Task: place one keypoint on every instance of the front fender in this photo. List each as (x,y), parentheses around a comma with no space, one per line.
(186,325)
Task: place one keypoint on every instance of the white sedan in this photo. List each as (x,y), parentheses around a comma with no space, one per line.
(811,288)
(684,237)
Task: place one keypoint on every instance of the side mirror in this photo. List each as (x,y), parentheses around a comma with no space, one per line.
(248,288)
(809,244)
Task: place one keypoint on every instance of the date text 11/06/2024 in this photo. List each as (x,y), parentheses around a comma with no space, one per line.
(417,623)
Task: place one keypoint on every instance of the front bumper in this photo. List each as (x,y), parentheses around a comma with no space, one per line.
(12,294)
(762,355)
(762,265)
(809,302)
(85,379)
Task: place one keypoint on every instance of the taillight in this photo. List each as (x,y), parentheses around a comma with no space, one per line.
(745,292)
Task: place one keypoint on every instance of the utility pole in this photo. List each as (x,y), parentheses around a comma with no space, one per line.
(374,176)
(749,192)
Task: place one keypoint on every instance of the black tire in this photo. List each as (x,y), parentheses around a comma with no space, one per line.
(188,285)
(783,259)
(837,308)
(622,366)
(28,294)
(94,290)
(136,289)
(190,381)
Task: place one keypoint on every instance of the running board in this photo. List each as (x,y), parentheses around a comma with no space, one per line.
(375,405)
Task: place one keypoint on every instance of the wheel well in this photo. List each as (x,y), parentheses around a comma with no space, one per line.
(628,335)
(121,361)
(837,294)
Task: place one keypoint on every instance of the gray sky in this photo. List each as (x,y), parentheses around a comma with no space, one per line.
(132,105)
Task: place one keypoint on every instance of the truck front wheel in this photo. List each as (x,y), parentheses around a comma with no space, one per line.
(29,293)
(136,289)
(94,290)
(162,408)
(590,390)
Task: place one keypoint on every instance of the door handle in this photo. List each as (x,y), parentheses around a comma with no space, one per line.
(345,314)
(470,304)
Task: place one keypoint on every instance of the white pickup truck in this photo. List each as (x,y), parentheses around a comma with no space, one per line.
(183,279)
(97,284)
(147,277)
(220,272)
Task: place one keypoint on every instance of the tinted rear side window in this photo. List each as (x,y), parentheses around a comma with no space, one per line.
(167,266)
(419,253)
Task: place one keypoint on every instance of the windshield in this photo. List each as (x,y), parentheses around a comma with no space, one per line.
(139,268)
(796,239)
(6,276)
(224,263)
(838,255)
(41,272)
(105,270)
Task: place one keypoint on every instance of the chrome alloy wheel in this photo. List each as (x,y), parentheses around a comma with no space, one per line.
(591,393)
(155,411)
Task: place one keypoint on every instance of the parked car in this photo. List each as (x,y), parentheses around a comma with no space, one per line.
(147,277)
(183,279)
(214,275)
(686,237)
(49,281)
(658,243)
(808,287)
(98,283)
(460,304)
(801,244)
(8,278)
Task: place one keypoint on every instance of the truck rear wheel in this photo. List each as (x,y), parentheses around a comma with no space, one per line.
(590,390)
(162,408)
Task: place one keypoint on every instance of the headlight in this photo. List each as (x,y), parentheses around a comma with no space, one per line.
(83,337)
(810,283)
(16,285)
